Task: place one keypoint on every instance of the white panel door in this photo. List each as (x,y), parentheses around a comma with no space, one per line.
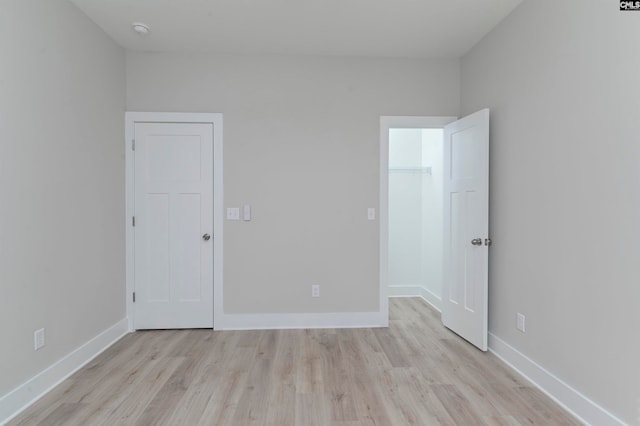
(466,227)
(173,246)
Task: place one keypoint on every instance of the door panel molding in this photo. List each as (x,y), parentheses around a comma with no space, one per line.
(131,118)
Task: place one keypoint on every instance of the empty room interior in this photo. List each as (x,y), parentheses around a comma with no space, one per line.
(316,232)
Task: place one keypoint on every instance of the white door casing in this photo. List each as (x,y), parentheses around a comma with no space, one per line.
(466,227)
(174,251)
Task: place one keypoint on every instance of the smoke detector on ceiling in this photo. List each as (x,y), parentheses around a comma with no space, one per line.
(140,28)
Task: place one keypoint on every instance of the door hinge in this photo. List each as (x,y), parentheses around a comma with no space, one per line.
(133,221)
(133,144)
(134,297)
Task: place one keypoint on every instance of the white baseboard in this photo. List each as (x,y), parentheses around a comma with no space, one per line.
(432,299)
(416,291)
(29,392)
(296,321)
(570,399)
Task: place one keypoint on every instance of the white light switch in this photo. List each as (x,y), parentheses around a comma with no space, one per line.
(246,212)
(520,322)
(38,337)
(371,213)
(233,213)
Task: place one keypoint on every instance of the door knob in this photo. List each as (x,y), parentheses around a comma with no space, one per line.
(206,237)
(476,241)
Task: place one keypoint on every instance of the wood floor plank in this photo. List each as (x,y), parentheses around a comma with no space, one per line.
(62,415)
(426,400)
(112,393)
(538,403)
(312,411)
(208,378)
(48,404)
(138,396)
(252,408)
(416,372)
(337,389)
(253,405)
(394,396)
(282,397)
(392,347)
(225,399)
(309,366)
(168,397)
(369,350)
(501,421)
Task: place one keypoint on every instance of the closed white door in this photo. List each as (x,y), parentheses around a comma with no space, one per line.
(466,227)
(173,241)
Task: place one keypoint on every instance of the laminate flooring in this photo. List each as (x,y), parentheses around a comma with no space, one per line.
(415,372)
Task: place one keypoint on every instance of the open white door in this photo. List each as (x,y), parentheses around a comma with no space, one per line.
(173,225)
(466,227)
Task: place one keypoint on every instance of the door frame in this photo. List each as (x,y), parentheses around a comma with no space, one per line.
(131,118)
(387,123)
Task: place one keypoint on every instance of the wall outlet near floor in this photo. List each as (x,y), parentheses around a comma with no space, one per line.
(38,339)
(315,290)
(520,322)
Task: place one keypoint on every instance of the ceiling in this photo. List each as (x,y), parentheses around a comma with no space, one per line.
(373,28)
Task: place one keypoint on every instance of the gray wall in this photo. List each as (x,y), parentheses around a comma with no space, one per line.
(61,184)
(561,79)
(301,145)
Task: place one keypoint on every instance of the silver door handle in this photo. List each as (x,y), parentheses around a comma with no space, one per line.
(206,237)
(476,241)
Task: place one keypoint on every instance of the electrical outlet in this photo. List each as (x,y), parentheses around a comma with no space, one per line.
(315,290)
(520,322)
(38,339)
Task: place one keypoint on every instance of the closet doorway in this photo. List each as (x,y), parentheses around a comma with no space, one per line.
(434,211)
(413,168)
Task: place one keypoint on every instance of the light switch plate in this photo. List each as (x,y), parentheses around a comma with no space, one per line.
(38,338)
(520,322)
(371,213)
(246,212)
(233,213)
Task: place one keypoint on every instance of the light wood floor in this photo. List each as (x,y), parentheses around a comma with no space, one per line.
(415,372)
